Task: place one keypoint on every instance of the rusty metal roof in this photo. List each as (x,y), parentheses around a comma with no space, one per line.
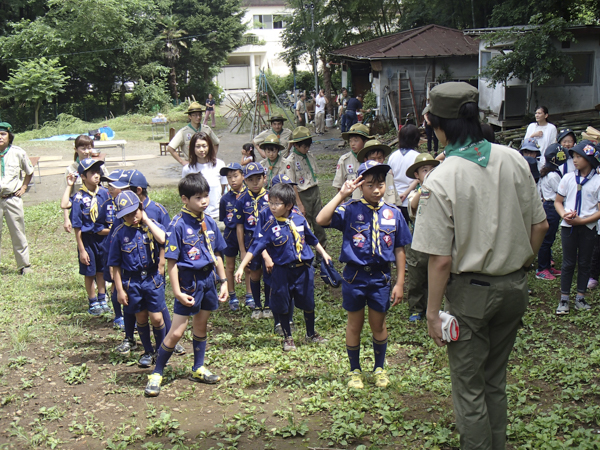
(423,42)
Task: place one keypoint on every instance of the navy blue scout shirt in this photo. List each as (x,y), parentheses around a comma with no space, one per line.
(354,219)
(277,238)
(134,249)
(227,208)
(264,216)
(106,214)
(247,208)
(186,241)
(354,104)
(82,203)
(157,212)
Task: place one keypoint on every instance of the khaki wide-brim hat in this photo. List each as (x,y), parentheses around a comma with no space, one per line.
(272,139)
(300,134)
(195,107)
(277,119)
(358,129)
(424,159)
(371,145)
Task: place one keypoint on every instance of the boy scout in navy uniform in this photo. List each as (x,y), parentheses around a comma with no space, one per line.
(247,208)
(286,237)
(300,168)
(89,233)
(274,163)
(348,164)
(374,236)
(477,258)
(14,161)
(235,177)
(134,256)
(193,251)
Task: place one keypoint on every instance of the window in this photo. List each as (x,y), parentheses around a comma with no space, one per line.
(485,59)
(280,21)
(269,21)
(584,65)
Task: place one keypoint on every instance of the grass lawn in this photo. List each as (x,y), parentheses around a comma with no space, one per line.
(61,385)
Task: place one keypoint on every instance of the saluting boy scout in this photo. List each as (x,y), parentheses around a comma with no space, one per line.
(301,168)
(14,160)
(348,163)
(283,134)
(274,163)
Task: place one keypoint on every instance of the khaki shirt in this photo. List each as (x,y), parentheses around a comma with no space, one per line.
(346,169)
(284,139)
(297,168)
(390,196)
(277,169)
(15,162)
(183,137)
(482,217)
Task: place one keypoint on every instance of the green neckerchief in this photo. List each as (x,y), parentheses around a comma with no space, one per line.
(355,155)
(275,133)
(195,131)
(2,157)
(271,166)
(477,152)
(307,162)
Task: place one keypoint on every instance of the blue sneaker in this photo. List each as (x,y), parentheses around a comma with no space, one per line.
(119,324)
(105,308)
(234,304)
(415,317)
(250,302)
(95,309)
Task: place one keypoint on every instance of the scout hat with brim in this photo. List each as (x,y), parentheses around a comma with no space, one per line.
(277,119)
(231,166)
(565,132)
(5,126)
(423,159)
(126,203)
(589,151)
(530,144)
(446,99)
(254,168)
(358,129)
(195,107)
(272,139)
(300,134)
(87,164)
(555,156)
(372,145)
(533,167)
(329,275)
(282,179)
(372,167)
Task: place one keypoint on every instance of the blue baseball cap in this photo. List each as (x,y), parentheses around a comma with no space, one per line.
(126,202)
(254,168)
(87,164)
(282,179)
(231,166)
(329,275)
(530,144)
(131,178)
(113,176)
(372,167)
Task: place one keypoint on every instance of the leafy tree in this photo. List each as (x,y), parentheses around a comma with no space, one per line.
(530,54)
(35,81)
(172,36)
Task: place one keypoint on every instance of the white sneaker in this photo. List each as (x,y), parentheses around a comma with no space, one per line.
(563,308)
(267,314)
(256,314)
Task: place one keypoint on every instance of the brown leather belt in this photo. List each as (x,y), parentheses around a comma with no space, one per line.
(8,196)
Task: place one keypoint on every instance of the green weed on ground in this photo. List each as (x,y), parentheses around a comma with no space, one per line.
(62,386)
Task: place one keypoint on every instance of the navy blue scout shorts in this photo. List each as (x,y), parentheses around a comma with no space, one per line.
(144,291)
(200,284)
(257,261)
(295,284)
(366,286)
(231,240)
(94,246)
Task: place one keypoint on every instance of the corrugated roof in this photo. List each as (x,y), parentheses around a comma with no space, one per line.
(422,42)
(264,2)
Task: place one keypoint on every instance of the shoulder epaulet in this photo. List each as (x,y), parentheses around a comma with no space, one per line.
(175,219)
(268,224)
(116,230)
(391,205)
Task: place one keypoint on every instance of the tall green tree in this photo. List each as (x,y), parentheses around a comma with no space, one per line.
(35,81)
(174,43)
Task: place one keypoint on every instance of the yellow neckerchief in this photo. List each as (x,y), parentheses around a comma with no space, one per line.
(94,204)
(375,241)
(146,230)
(241,191)
(297,239)
(255,200)
(200,219)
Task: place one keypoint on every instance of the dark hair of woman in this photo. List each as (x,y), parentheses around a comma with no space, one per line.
(409,136)
(211,155)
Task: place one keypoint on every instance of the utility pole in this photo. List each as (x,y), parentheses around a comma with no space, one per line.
(311,7)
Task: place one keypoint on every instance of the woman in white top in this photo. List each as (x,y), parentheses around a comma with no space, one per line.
(542,130)
(402,159)
(203,159)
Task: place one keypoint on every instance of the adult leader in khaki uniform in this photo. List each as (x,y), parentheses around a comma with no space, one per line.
(283,134)
(14,162)
(182,137)
(481,221)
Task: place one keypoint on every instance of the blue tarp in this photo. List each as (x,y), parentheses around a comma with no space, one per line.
(110,134)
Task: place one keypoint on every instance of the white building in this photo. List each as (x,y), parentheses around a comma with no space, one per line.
(266,19)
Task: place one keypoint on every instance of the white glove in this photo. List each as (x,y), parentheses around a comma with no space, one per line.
(450,329)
